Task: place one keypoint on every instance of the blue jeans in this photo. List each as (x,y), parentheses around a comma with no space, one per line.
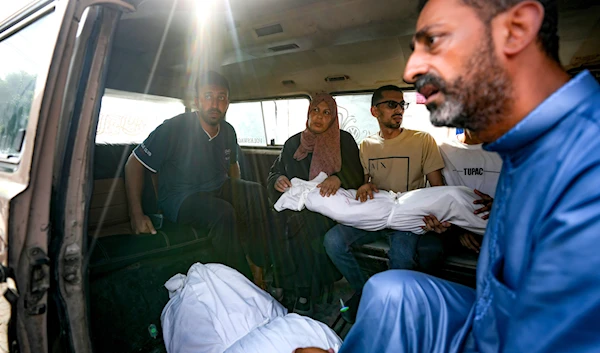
(407,311)
(403,254)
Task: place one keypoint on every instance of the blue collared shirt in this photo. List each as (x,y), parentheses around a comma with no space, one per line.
(538,278)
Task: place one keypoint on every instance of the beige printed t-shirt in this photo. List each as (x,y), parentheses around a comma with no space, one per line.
(400,164)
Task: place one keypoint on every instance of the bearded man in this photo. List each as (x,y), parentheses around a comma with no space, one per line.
(491,66)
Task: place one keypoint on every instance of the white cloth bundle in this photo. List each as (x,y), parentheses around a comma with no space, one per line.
(294,198)
(401,211)
(215,309)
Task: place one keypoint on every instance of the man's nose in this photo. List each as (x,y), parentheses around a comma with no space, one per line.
(415,67)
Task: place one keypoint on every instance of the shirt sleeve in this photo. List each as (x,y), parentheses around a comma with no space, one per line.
(277,169)
(432,159)
(557,299)
(364,160)
(155,148)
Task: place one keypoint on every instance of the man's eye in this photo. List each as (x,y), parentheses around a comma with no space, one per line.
(431,40)
(207,96)
(221,98)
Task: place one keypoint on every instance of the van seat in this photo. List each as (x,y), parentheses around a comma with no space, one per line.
(114,244)
(458,267)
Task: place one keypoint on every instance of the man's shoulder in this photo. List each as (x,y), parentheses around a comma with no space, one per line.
(373,139)
(227,126)
(181,121)
(417,134)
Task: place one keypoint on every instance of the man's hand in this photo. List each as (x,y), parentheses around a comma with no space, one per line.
(141,224)
(313,350)
(282,183)
(486,201)
(469,241)
(433,225)
(366,191)
(330,186)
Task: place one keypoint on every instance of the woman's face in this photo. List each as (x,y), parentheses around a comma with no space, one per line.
(320,118)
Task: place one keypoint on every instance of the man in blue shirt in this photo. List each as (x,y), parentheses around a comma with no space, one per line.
(492,66)
(195,157)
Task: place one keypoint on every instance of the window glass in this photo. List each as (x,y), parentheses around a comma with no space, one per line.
(23,57)
(355,116)
(259,123)
(247,120)
(10,7)
(128,118)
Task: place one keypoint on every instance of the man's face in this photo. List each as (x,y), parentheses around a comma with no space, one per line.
(212,103)
(387,116)
(454,65)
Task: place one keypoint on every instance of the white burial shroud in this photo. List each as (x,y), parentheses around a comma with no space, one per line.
(388,210)
(215,309)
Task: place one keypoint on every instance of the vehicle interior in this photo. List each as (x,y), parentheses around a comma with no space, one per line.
(276,54)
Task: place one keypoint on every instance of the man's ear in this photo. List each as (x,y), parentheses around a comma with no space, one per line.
(375,112)
(521,25)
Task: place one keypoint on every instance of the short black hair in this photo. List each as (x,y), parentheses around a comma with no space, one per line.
(211,78)
(548,34)
(378,94)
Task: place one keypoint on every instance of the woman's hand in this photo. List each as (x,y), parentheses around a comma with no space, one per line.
(330,186)
(282,183)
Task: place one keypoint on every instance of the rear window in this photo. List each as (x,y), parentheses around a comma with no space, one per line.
(128,118)
(266,122)
(355,116)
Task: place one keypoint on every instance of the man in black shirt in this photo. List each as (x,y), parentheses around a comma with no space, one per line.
(195,156)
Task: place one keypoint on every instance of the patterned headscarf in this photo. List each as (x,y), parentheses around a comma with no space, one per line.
(325,147)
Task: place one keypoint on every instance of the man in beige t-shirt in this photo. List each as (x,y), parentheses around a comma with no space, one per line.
(394,159)
(400,163)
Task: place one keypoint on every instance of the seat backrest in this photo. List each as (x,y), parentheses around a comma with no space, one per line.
(108,205)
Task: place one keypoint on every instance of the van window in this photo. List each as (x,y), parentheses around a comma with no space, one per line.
(260,122)
(354,112)
(128,118)
(11,7)
(23,56)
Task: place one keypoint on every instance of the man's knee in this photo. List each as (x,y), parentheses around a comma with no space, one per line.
(398,286)
(334,241)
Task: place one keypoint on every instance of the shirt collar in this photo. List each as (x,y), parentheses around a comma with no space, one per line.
(547,114)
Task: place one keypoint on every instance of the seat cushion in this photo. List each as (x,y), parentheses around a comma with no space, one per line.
(116,251)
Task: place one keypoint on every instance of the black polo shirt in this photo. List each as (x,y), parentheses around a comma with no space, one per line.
(188,160)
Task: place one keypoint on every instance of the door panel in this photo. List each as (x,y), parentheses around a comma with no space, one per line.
(27,48)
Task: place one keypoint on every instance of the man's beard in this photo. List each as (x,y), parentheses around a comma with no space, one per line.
(205,116)
(392,125)
(478,99)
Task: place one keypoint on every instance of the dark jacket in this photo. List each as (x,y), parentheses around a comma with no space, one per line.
(351,174)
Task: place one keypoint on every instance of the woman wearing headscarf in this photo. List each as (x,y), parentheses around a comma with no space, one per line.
(322,147)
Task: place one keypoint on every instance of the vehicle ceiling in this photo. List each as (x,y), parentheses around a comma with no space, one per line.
(366,40)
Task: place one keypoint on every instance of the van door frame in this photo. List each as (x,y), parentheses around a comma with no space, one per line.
(26,189)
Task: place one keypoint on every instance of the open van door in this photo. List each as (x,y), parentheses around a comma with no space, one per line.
(47,60)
